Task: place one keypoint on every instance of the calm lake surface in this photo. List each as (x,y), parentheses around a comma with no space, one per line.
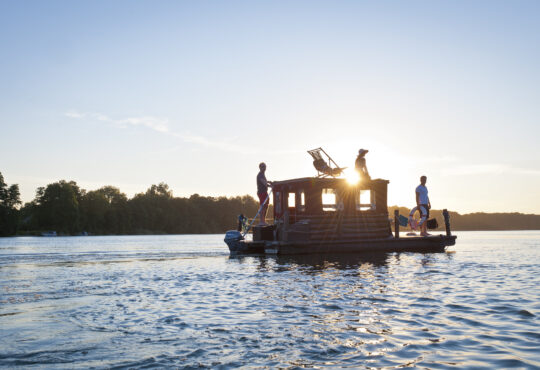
(181,301)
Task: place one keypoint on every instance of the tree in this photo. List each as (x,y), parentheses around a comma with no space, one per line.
(93,207)
(57,206)
(150,211)
(9,212)
(104,211)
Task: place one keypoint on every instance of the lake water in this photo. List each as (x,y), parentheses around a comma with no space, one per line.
(181,301)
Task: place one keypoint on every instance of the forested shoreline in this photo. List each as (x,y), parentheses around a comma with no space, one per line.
(481,221)
(69,210)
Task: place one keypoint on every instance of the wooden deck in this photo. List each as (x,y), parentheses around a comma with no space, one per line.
(434,243)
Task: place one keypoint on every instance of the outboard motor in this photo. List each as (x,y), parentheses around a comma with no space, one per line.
(232,239)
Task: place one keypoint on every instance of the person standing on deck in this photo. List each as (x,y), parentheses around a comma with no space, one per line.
(422,201)
(262,192)
(360,165)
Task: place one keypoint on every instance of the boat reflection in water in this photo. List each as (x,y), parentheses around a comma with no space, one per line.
(314,263)
(363,306)
(342,261)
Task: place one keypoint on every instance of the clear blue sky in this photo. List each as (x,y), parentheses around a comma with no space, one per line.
(196,94)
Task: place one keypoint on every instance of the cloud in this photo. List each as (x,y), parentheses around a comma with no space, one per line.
(486,169)
(228,145)
(161,125)
(440,159)
(157,124)
(154,123)
(74,114)
(430,159)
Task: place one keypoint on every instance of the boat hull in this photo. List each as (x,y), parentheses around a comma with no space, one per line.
(245,247)
(435,243)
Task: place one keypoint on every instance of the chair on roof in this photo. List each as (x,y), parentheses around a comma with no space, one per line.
(324,166)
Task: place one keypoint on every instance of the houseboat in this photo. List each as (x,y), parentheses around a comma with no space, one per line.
(330,215)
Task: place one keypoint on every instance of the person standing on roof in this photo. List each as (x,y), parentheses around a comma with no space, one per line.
(422,201)
(262,192)
(360,165)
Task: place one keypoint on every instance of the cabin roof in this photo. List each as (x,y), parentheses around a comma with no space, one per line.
(321,181)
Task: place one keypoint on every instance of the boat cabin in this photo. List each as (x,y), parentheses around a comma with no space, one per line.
(319,196)
(330,209)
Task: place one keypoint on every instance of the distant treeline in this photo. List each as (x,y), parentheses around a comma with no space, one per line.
(67,209)
(480,220)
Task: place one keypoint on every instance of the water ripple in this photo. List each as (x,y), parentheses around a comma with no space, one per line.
(180,301)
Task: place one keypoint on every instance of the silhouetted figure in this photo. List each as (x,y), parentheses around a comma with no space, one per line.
(360,165)
(241,222)
(321,166)
(324,167)
(262,192)
(422,201)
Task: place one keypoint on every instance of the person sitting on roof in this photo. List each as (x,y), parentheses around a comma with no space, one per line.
(321,166)
(360,165)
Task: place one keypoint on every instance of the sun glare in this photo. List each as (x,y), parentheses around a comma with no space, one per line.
(352,177)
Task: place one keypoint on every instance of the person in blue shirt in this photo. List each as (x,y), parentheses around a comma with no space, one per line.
(422,201)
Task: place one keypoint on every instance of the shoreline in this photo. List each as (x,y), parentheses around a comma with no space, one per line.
(35,235)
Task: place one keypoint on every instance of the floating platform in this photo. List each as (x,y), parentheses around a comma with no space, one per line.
(321,215)
(433,243)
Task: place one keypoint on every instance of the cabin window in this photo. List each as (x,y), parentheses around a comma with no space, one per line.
(301,201)
(329,200)
(366,201)
(292,200)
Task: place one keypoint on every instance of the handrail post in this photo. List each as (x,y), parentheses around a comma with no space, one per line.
(259,211)
(446,216)
(396,223)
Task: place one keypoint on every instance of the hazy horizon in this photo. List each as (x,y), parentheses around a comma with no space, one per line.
(195,95)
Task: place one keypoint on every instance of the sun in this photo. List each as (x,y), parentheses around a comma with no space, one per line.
(351,176)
